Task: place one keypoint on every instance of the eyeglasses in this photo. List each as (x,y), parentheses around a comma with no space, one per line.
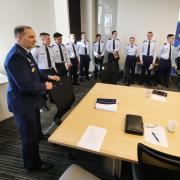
(150,125)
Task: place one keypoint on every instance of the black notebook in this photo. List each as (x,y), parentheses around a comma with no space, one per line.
(106,101)
(160,93)
(134,124)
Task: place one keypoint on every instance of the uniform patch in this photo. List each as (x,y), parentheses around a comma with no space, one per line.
(33,69)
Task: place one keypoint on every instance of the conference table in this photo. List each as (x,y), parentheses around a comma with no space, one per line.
(117,144)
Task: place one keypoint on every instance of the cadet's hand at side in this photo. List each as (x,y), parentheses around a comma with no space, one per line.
(48,85)
(55,78)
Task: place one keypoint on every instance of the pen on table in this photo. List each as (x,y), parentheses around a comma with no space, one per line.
(155,136)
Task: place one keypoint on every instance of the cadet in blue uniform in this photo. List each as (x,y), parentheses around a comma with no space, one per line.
(98,51)
(26,87)
(178,57)
(113,47)
(74,58)
(62,60)
(83,49)
(130,62)
(147,57)
(166,60)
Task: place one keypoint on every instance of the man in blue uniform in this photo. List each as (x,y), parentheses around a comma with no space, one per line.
(25,95)
(98,51)
(147,58)
(166,61)
(83,47)
(130,62)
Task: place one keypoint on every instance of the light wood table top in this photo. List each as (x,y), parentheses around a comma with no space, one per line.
(118,144)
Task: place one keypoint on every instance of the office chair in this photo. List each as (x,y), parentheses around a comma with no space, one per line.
(155,165)
(63,97)
(109,73)
(75,172)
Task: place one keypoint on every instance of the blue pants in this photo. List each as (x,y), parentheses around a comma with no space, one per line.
(98,62)
(147,61)
(111,59)
(30,131)
(164,71)
(74,69)
(130,64)
(84,65)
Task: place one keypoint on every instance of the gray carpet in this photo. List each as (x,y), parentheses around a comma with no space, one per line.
(11,165)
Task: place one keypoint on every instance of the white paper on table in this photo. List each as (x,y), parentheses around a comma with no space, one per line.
(107,107)
(158,97)
(92,138)
(160,133)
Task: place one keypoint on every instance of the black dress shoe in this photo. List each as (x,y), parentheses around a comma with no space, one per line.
(127,84)
(45,166)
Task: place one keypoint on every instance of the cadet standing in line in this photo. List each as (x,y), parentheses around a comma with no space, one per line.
(25,95)
(147,57)
(45,58)
(178,58)
(113,47)
(166,60)
(62,60)
(44,55)
(74,58)
(83,49)
(131,53)
(98,51)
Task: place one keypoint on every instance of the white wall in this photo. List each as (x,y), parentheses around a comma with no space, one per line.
(137,17)
(36,13)
(62,18)
(88,24)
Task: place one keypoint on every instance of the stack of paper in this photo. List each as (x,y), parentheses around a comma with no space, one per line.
(92,138)
(106,104)
(156,135)
(158,98)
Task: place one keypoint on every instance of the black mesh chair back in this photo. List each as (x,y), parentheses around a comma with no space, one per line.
(155,165)
(63,97)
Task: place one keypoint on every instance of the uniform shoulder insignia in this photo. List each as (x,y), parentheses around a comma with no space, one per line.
(18,50)
(102,41)
(51,45)
(165,43)
(67,44)
(37,46)
(154,41)
(94,42)
(63,45)
(109,39)
(144,41)
(118,39)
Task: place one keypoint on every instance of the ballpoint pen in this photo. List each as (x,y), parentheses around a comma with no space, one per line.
(155,136)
